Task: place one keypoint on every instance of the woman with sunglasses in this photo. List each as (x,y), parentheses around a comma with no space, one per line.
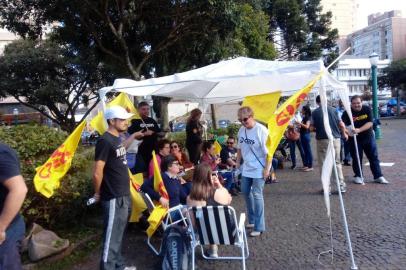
(252,138)
(176,151)
(207,191)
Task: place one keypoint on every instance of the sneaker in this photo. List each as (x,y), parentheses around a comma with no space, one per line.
(249,226)
(308,169)
(213,251)
(255,234)
(381,180)
(293,167)
(343,189)
(130,268)
(358,180)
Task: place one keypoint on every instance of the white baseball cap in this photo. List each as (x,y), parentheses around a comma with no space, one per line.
(117,112)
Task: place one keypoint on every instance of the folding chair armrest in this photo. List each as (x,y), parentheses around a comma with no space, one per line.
(241,222)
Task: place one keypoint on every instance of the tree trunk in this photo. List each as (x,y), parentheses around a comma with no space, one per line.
(164,112)
(213,115)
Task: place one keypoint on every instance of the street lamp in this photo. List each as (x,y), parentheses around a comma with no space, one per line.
(373,59)
(15,113)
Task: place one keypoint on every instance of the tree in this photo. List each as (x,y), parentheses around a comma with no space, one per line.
(301,30)
(394,76)
(51,79)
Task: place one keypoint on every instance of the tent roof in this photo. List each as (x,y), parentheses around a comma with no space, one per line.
(229,80)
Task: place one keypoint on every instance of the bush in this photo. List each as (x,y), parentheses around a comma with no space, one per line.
(34,145)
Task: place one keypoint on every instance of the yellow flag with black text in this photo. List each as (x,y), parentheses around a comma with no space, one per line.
(279,121)
(49,175)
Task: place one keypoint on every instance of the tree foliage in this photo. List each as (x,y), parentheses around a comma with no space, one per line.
(50,78)
(301,30)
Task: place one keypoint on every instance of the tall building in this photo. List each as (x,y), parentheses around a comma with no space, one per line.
(384,35)
(344,14)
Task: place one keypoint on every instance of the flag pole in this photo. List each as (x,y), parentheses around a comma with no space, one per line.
(338,58)
(346,230)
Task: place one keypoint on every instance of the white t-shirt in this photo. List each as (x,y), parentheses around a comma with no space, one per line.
(255,139)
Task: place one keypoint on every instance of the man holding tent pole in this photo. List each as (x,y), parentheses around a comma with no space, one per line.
(336,125)
(252,138)
(363,123)
(112,187)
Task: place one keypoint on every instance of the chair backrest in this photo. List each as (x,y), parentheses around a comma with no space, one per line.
(215,225)
(148,201)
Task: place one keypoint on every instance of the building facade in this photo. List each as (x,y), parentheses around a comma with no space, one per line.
(384,35)
(344,15)
(356,73)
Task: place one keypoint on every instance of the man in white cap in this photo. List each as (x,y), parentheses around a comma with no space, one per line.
(112,189)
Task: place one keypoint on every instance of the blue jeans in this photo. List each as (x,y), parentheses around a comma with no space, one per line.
(307,150)
(228,180)
(9,250)
(252,188)
(292,151)
(367,145)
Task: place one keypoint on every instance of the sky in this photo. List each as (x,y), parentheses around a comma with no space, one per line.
(367,7)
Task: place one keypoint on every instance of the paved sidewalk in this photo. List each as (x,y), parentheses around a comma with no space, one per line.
(298,227)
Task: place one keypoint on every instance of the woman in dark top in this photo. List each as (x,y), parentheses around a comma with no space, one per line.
(194,132)
(305,138)
(207,190)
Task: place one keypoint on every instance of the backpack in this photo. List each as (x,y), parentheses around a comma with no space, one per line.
(176,251)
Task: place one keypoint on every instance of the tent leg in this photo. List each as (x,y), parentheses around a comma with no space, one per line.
(347,233)
(358,160)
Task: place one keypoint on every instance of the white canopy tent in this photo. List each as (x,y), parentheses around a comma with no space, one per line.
(230,80)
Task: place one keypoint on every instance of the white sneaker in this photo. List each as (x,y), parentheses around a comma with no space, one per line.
(381,180)
(255,234)
(358,180)
(213,251)
(130,268)
(249,226)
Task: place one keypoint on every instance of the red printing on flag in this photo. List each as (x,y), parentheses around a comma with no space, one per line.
(58,158)
(162,190)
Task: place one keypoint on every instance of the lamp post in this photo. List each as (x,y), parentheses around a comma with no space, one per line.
(373,59)
(15,113)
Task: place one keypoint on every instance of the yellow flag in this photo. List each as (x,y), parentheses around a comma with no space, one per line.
(217,148)
(155,219)
(138,205)
(263,105)
(98,122)
(158,182)
(49,175)
(280,119)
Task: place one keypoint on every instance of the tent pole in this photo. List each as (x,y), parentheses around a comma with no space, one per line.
(338,58)
(358,159)
(347,233)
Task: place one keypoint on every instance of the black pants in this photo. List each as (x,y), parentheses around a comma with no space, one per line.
(194,151)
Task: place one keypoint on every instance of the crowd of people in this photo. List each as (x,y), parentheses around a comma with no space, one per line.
(195,175)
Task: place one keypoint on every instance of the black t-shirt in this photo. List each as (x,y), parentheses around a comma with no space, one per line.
(302,129)
(9,167)
(149,142)
(191,136)
(227,153)
(360,118)
(116,180)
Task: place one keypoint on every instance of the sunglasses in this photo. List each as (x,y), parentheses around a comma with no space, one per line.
(244,119)
(174,146)
(175,163)
(230,142)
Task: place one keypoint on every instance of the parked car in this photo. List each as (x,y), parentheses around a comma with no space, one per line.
(223,123)
(179,127)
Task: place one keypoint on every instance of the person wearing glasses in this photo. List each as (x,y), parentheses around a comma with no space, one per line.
(176,151)
(163,150)
(172,183)
(228,154)
(252,138)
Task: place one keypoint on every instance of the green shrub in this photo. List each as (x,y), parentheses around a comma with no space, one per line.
(34,145)
(179,137)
